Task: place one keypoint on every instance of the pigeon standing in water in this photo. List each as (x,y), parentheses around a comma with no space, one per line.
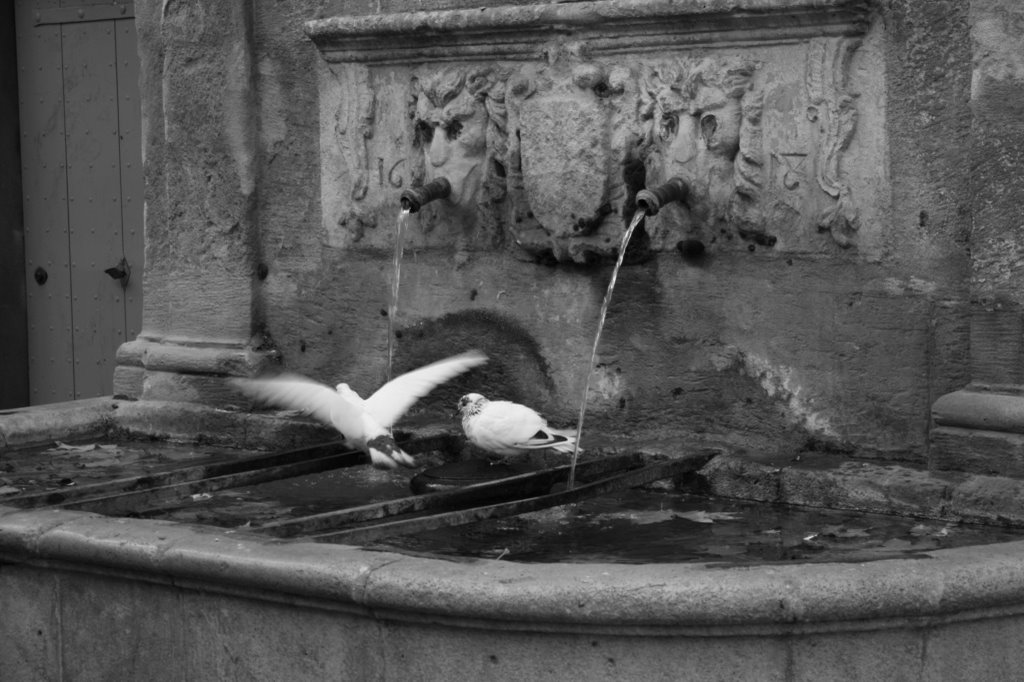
(363,423)
(506,428)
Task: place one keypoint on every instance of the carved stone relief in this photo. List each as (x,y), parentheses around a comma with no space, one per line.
(459,132)
(545,155)
(565,160)
(701,122)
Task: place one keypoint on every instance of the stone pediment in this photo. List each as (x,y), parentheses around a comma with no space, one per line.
(547,119)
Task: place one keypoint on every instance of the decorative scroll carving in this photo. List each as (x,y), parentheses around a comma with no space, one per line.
(354,123)
(833,108)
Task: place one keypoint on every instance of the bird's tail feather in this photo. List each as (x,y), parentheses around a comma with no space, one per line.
(567,446)
(385,453)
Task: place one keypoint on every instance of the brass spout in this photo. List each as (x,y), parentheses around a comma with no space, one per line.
(413,198)
(651,200)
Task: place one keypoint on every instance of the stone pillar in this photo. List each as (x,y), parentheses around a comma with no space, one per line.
(201,306)
(981,427)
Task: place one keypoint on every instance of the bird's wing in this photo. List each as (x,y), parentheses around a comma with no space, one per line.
(504,424)
(518,426)
(296,392)
(394,398)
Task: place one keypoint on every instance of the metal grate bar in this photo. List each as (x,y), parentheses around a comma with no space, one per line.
(491,491)
(630,479)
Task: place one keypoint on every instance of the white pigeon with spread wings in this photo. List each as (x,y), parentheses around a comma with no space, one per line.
(506,428)
(363,423)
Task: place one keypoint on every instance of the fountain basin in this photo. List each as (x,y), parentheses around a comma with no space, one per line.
(89,596)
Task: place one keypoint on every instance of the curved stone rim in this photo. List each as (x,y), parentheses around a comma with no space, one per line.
(952,584)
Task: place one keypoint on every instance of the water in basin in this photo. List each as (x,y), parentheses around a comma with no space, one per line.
(639,525)
(642,526)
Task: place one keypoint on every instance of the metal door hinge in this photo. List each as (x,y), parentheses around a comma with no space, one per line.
(121,271)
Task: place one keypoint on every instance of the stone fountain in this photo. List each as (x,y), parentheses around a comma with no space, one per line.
(811,297)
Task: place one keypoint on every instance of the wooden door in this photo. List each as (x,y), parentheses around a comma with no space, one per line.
(82,185)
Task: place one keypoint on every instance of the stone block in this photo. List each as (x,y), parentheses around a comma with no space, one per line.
(112,628)
(986,649)
(228,638)
(879,655)
(29,640)
(977,451)
(413,652)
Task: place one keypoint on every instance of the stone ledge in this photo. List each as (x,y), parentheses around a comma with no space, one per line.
(839,483)
(518,31)
(161,420)
(40,424)
(194,358)
(187,422)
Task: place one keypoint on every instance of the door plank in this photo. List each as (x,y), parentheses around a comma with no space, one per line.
(94,201)
(40,87)
(130,124)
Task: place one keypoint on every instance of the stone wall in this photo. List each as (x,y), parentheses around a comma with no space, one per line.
(801,343)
